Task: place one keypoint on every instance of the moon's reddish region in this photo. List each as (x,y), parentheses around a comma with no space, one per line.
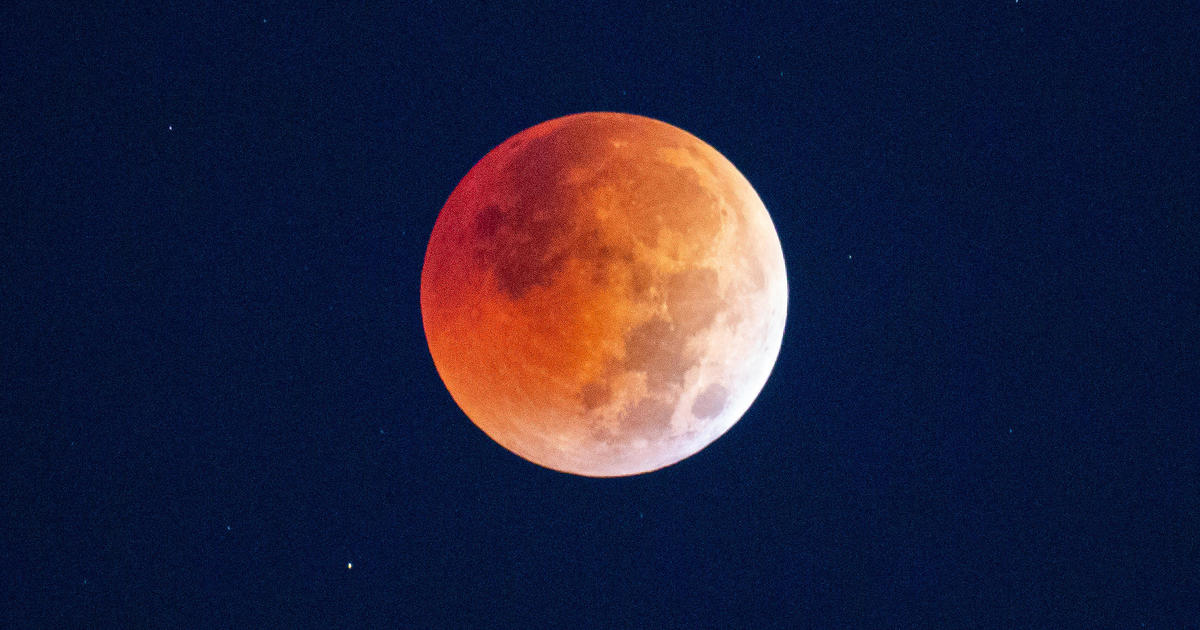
(604,294)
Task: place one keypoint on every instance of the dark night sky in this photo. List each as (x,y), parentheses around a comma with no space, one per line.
(215,391)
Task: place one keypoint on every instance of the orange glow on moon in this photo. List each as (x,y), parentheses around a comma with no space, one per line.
(604,294)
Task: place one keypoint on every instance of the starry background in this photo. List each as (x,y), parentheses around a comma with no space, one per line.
(218,410)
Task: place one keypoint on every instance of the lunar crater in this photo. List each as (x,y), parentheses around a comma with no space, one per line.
(711,402)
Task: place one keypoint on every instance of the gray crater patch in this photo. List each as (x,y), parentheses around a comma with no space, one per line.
(711,402)
(658,349)
(647,418)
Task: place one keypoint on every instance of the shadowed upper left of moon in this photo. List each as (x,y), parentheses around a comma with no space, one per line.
(604,294)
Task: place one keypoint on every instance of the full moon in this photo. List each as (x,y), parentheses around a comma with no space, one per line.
(604,294)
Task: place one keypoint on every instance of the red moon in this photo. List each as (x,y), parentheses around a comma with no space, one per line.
(604,294)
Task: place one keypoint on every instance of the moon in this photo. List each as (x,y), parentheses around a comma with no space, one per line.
(604,294)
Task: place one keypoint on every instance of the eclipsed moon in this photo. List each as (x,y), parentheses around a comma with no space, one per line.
(604,294)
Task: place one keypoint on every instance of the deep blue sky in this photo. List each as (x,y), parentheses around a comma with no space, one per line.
(215,391)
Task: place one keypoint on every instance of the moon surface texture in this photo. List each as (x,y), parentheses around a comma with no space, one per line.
(604,294)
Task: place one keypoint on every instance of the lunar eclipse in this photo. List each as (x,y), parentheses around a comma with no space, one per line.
(604,294)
